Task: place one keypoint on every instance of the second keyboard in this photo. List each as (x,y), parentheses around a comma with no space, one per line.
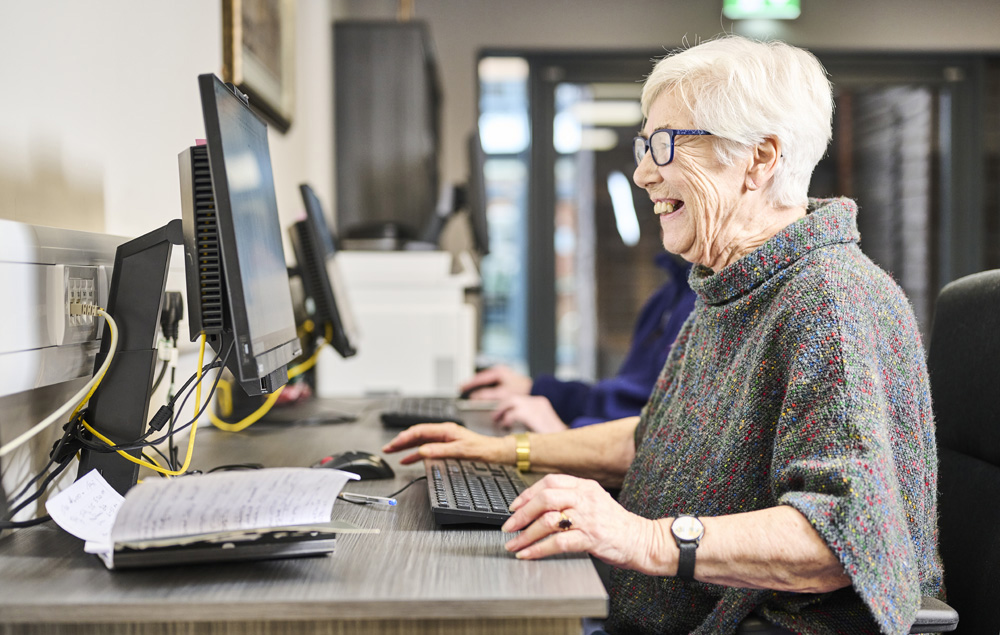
(403,412)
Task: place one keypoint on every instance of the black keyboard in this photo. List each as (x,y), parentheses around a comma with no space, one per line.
(471,491)
(403,412)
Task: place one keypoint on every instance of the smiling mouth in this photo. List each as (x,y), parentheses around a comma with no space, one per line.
(663,208)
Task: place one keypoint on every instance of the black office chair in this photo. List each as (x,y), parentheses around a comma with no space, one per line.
(964,364)
(934,616)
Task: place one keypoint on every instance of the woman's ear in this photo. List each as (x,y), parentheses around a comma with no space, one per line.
(765,159)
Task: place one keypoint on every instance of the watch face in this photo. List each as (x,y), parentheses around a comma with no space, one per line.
(687,528)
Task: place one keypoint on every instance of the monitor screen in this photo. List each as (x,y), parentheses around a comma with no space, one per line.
(315,252)
(236,236)
(476,194)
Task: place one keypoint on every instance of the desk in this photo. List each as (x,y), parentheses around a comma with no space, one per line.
(411,578)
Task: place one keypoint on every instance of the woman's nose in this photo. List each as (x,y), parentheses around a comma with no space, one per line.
(646,173)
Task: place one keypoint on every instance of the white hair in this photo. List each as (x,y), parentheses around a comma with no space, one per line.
(745,91)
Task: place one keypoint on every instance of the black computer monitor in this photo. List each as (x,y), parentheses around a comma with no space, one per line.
(237,279)
(315,252)
(476,194)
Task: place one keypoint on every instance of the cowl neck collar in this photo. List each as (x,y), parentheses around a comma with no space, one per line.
(827,222)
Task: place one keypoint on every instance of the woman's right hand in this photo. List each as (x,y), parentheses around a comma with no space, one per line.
(496,383)
(450,440)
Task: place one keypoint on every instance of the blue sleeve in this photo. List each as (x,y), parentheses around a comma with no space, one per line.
(569,398)
(625,394)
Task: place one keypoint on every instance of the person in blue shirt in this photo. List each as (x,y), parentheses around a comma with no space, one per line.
(547,404)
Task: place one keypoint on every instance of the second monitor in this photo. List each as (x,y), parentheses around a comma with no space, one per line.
(317,267)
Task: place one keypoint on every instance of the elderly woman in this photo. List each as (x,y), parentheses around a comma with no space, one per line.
(785,463)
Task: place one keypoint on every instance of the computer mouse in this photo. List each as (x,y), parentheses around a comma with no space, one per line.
(365,464)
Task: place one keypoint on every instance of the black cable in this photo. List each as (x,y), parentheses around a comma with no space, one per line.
(403,489)
(215,384)
(347,500)
(204,369)
(236,466)
(163,371)
(162,456)
(56,449)
(41,488)
(393,495)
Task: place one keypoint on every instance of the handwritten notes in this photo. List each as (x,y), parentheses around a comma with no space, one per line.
(228,501)
(87,508)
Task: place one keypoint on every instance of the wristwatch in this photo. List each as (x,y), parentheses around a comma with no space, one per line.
(687,531)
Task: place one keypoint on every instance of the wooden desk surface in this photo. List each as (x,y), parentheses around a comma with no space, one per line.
(411,571)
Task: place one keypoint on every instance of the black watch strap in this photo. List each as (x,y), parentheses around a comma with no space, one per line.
(685,563)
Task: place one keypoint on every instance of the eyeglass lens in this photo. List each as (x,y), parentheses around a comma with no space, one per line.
(661,144)
(638,149)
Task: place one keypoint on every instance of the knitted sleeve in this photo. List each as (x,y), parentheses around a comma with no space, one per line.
(854,448)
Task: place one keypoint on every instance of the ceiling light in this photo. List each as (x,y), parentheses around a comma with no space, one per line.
(768,9)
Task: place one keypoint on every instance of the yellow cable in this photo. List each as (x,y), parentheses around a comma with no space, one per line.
(259,413)
(250,419)
(114,331)
(224,397)
(194,428)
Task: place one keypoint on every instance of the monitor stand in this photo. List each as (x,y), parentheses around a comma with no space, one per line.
(119,407)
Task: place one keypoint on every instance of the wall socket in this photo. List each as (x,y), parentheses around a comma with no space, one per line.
(68,285)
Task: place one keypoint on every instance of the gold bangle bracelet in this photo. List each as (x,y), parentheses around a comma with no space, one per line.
(523,449)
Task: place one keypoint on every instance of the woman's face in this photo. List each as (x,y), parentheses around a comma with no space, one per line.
(705,195)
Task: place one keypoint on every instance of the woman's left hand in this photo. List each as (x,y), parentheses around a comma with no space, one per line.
(591,521)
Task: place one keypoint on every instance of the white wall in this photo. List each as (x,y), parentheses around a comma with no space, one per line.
(99,97)
(460,28)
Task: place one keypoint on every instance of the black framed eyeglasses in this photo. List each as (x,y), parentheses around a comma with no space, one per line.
(662,144)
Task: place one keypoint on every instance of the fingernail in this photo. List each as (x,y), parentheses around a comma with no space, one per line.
(520,555)
(505,527)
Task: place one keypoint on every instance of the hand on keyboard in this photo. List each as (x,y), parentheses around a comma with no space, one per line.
(447,440)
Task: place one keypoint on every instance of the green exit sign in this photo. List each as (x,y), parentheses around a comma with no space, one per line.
(769,9)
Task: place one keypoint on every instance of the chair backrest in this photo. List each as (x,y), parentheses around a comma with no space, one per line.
(964,365)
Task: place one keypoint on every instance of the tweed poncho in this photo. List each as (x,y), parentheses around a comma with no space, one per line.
(798,380)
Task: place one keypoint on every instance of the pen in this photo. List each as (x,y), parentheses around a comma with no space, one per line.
(364,498)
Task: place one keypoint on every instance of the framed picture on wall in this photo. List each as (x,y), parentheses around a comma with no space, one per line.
(258,42)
